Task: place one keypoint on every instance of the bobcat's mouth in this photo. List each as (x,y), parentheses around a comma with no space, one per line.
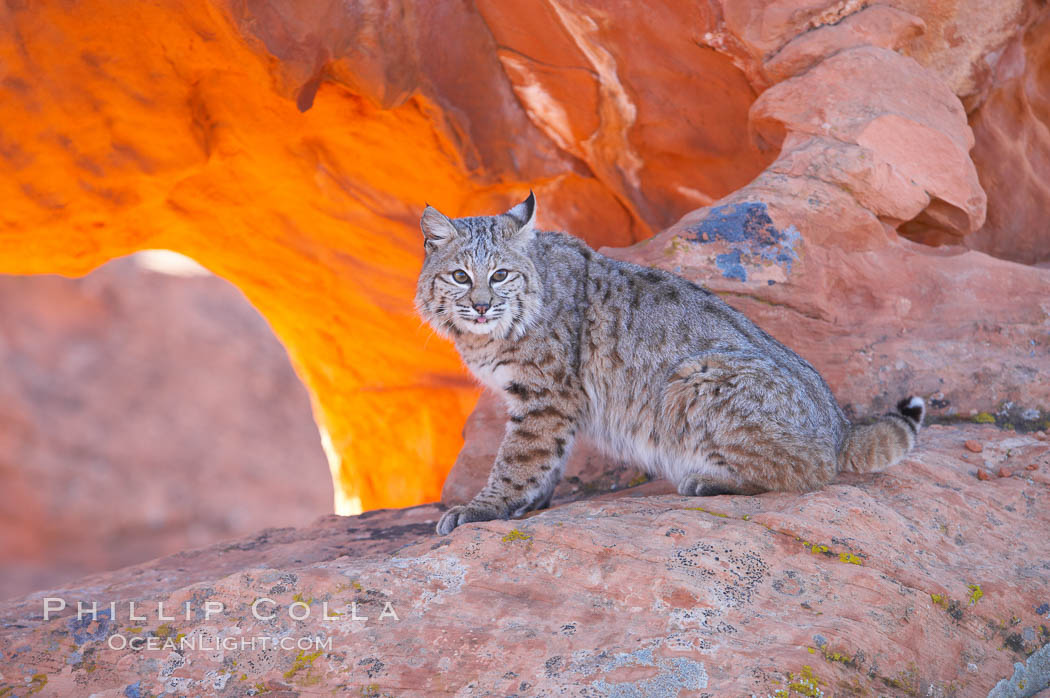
(482,324)
(470,321)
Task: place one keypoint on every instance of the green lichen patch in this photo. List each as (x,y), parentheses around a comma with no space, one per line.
(817,548)
(355,585)
(514,535)
(826,550)
(975,593)
(831,655)
(804,683)
(303,662)
(165,631)
(905,681)
(36,684)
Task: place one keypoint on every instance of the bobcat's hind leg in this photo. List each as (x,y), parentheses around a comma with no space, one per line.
(737,423)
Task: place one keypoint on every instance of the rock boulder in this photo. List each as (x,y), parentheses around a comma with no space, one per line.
(923,580)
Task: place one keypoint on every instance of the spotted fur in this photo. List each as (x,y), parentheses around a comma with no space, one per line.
(654,368)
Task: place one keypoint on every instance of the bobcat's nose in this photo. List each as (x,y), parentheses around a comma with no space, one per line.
(481,307)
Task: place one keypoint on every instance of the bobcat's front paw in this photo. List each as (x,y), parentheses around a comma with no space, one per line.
(459,515)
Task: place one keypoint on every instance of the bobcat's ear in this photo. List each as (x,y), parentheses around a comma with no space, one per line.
(524,214)
(437,228)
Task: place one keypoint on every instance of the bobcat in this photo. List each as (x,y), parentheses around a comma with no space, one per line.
(656,369)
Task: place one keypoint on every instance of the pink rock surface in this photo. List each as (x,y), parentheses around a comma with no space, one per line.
(918,581)
(907,124)
(963,37)
(143,413)
(1012,151)
(876,25)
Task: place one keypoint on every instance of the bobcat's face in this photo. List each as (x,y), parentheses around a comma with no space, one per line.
(477,277)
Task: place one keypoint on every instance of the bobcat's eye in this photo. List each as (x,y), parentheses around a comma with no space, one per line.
(461,277)
(499,275)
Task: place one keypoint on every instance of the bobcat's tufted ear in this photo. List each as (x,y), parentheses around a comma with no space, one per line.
(524,214)
(437,228)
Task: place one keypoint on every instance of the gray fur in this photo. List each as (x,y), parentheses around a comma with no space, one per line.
(656,369)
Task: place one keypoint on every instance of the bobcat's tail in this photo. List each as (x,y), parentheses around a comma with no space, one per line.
(877,446)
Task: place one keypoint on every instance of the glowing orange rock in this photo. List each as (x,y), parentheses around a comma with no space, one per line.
(124,137)
(129,138)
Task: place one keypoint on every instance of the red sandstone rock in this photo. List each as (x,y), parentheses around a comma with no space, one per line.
(864,586)
(616,85)
(982,474)
(141,414)
(1005,472)
(876,25)
(909,149)
(974,446)
(1012,150)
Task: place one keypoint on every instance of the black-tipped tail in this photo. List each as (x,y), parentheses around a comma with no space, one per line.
(913,409)
(882,443)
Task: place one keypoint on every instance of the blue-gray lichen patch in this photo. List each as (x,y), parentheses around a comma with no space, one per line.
(672,675)
(752,238)
(80,628)
(1028,678)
